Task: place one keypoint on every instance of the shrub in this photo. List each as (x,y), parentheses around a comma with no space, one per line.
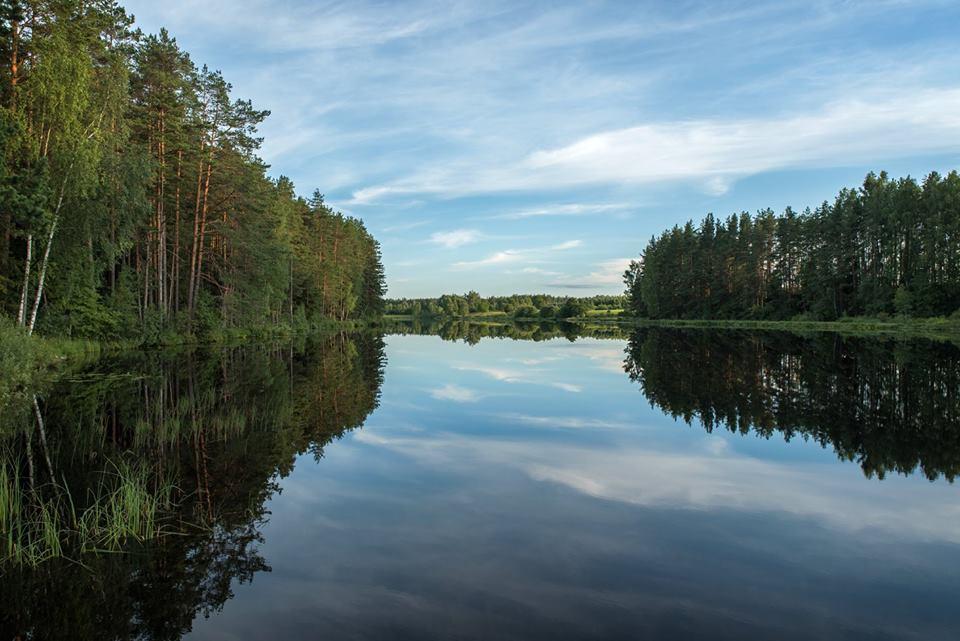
(903,301)
(573,308)
(549,311)
(526,311)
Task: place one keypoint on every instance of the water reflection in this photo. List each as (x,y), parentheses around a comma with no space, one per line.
(472,332)
(514,489)
(890,405)
(213,432)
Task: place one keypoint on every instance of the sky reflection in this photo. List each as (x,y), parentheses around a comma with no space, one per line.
(520,490)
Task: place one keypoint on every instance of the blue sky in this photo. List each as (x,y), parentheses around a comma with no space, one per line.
(536,146)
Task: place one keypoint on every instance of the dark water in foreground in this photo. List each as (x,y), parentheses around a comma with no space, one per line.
(665,485)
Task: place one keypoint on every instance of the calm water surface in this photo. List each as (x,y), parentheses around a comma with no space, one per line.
(666,485)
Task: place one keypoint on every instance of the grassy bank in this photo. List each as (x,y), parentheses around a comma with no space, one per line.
(25,358)
(916,327)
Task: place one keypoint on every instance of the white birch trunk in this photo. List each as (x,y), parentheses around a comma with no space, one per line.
(46,259)
(22,313)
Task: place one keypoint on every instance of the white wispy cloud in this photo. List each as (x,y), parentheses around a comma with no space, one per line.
(605,274)
(539,271)
(455,238)
(311,26)
(405,226)
(569,209)
(499,258)
(716,152)
(584,106)
(530,376)
(708,477)
(519,255)
(602,355)
(497,373)
(455,393)
(566,422)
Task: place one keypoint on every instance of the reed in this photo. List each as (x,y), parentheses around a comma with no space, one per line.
(44,522)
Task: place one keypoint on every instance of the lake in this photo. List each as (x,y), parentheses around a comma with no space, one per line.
(496,482)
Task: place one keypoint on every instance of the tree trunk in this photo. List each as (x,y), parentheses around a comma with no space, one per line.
(43,266)
(175,270)
(161,220)
(22,313)
(14,63)
(46,253)
(147,262)
(203,227)
(5,234)
(196,238)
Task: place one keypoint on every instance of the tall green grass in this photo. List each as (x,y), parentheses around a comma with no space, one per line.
(40,523)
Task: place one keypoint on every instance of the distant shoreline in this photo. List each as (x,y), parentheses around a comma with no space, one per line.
(912,327)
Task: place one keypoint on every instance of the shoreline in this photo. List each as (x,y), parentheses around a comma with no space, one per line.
(914,327)
(26,359)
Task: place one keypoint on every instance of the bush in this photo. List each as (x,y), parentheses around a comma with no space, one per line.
(549,312)
(21,358)
(574,308)
(526,311)
(903,301)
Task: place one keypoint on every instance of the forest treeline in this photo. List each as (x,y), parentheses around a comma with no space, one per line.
(472,332)
(517,305)
(889,247)
(132,199)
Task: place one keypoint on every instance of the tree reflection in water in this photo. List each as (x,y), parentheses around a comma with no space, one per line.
(890,405)
(204,436)
(210,431)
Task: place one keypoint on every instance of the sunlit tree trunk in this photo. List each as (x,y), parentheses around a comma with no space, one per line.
(203,227)
(24,292)
(161,219)
(194,244)
(175,273)
(46,258)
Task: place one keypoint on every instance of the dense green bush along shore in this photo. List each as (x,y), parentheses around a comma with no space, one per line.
(519,306)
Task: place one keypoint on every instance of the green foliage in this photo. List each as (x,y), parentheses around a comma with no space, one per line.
(517,305)
(526,311)
(549,312)
(903,301)
(18,356)
(473,331)
(574,308)
(890,246)
(133,203)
